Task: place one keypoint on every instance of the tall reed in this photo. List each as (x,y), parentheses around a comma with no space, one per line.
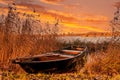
(19,36)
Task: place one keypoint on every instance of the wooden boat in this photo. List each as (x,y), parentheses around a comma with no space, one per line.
(56,61)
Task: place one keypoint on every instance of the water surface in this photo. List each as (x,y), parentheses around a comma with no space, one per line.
(84,39)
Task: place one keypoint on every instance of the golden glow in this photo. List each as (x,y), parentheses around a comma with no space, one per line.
(95,18)
(60,13)
(73,25)
(52,2)
(70,26)
(21,7)
(70,21)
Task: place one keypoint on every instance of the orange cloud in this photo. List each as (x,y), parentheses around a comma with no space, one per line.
(30,5)
(52,2)
(69,22)
(60,13)
(65,17)
(24,6)
(73,6)
(95,18)
(70,26)
(21,7)
(78,26)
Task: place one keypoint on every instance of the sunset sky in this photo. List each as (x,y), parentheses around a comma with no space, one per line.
(77,16)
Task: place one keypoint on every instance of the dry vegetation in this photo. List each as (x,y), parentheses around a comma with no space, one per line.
(17,40)
(107,62)
(101,64)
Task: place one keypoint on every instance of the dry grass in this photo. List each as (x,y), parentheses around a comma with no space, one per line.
(24,45)
(18,38)
(107,62)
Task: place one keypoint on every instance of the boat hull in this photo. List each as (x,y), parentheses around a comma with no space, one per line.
(56,66)
(53,66)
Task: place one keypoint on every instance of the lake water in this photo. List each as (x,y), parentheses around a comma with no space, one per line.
(84,39)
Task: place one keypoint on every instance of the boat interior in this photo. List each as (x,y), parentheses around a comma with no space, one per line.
(57,55)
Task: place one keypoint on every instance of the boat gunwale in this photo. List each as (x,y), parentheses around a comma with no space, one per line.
(30,62)
(47,61)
